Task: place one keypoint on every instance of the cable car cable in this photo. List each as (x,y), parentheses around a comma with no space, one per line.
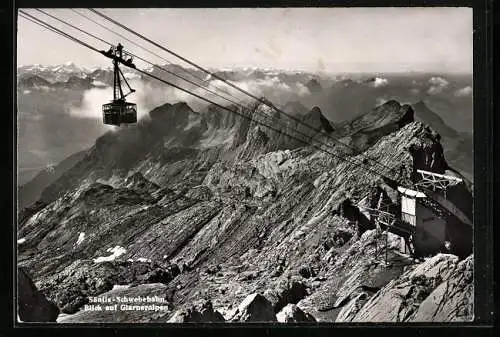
(142,59)
(229,83)
(257,122)
(151,52)
(196,84)
(58,31)
(53,29)
(259,100)
(72,26)
(243,107)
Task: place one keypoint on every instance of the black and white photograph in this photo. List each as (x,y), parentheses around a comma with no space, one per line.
(229,165)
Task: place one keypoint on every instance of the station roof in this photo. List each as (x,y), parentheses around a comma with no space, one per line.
(411,193)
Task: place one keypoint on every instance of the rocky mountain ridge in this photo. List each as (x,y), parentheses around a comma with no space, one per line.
(457,145)
(210,206)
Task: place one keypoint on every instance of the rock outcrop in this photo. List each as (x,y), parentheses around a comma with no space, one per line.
(458,147)
(33,306)
(254,308)
(439,289)
(453,299)
(293,314)
(197,313)
(314,86)
(287,292)
(72,287)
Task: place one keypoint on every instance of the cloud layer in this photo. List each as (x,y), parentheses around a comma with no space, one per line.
(379,82)
(438,84)
(464,92)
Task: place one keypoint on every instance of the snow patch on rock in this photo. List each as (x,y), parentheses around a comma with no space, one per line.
(116,252)
(81,237)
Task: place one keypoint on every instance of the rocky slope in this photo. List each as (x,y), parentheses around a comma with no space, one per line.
(207,206)
(29,192)
(440,289)
(458,145)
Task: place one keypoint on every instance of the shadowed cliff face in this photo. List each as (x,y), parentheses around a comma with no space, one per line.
(458,146)
(175,134)
(239,209)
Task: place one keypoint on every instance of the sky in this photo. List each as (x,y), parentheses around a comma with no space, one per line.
(331,40)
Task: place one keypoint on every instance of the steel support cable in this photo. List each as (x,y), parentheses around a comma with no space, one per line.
(149,51)
(74,27)
(58,31)
(259,100)
(187,80)
(256,121)
(55,30)
(142,59)
(231,84)
(106,42)
(52,28)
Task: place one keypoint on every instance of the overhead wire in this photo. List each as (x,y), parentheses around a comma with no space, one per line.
(253,120)
(55,30)
(328,137)
(163,69)
(140,58)
(149,51)
(72,38)
(58,31)
(273,118)
(233,85)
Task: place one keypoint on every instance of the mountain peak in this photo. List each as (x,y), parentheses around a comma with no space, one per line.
(316,119)
(159,111)
(295,108)
(392,103)
(431,118)
(314,86)
(34,80)
(420,104)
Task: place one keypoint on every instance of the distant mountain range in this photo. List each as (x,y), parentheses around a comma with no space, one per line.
(50,130)
(38,82)
(53,73)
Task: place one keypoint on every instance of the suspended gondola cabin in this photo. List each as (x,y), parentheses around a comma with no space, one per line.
(119,111)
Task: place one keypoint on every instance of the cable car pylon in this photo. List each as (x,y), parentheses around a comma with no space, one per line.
(119,111)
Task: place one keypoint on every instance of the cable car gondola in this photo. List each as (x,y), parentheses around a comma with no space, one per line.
(119,111)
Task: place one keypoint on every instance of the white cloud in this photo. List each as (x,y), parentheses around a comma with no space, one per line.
(99,84)
(464,92)
(415,91)
(147,97)
(379,82)
(437,80)
(302,89)
(131,76)
(271,87)
(438,84)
